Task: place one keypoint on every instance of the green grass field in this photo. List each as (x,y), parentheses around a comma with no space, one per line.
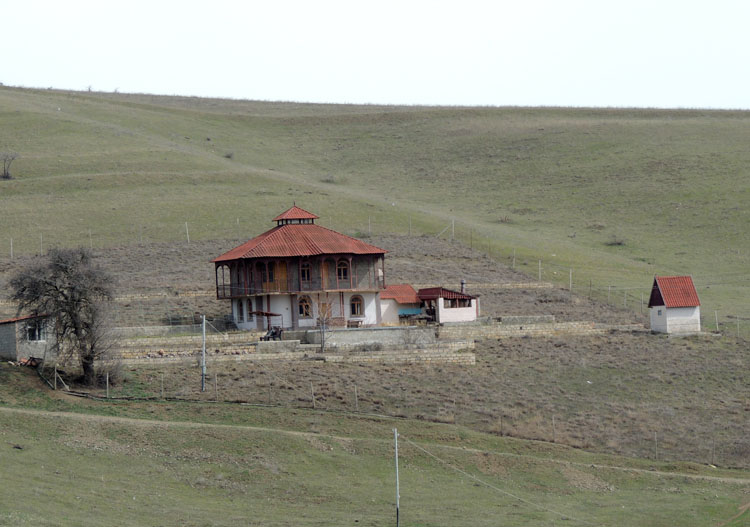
(615,195)
(71,462)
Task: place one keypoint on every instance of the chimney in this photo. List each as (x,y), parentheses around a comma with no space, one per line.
(463,286)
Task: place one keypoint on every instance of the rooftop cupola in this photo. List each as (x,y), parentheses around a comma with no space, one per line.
(295,215)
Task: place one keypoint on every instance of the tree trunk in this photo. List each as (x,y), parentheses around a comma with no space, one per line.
(89,373)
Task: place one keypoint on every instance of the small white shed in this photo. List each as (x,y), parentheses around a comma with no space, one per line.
(675,307)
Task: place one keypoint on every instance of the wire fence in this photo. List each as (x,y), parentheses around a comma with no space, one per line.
(177,307)
(648,431)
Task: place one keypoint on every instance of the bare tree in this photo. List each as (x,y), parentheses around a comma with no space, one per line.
(72,291)
(7,158)
(324,321)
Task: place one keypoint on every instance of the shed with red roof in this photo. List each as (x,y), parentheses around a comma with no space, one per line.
(674,304)
(445,305)
(399,302)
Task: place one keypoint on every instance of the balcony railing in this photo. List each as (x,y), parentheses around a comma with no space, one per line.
(224,291)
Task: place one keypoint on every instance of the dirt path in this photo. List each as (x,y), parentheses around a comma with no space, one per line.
(193,425)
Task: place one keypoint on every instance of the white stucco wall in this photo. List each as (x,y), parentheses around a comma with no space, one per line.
(676,320)
(659,319)
(369,307)
(456,314)
(282,305)
(388,311)
(684,320)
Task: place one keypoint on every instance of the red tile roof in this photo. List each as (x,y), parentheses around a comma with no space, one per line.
(431,293)
(673,291)
(401,293)
(296,213)
(19,319)
(306,239)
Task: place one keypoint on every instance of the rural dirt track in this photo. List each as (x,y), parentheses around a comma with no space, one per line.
(190,425)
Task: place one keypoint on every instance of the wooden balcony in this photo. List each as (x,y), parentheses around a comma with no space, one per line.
(228,291)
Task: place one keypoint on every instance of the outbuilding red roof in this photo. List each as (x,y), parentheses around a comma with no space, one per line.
(19,319)
(298,239)
(432,293)
(673,291)
(296,213)
(401,293)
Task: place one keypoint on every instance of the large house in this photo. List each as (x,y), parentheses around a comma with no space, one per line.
(675,307)
(298,273)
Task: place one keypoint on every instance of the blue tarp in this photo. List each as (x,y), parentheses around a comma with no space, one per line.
(409,311)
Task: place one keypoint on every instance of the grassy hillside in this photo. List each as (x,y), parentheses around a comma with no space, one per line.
(616,195)
(72,462)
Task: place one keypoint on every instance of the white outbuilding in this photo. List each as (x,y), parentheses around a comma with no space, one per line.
(675,307)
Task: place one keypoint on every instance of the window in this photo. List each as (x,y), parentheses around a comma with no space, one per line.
(356,306)
(36,331)
(270,274)
(305,307)
(304,272)
(342,270)
(456,302)
(658,312)
(240,311)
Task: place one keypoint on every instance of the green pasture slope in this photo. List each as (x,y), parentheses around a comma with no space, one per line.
(616,195)
(81,463)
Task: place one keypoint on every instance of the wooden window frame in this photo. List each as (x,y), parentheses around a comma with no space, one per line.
(357,300)
(343,265)
(305,307)
(305,272)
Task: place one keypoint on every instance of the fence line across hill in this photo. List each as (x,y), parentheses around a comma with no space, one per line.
(546,271)
(265,384)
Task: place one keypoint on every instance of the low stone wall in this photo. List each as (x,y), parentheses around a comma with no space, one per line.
(386,337)
(407,357)
(520,320)
(531,330)
(389,357)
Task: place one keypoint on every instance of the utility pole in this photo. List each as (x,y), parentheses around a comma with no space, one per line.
(203,354)
(395,442)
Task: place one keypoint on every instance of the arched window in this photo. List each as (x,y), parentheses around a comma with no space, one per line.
(305,307)
(342,270)
(357,306)
(305,272)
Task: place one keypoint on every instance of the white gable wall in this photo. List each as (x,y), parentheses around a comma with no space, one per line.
(659,319)
(456,314)
(389,311)
(676,320)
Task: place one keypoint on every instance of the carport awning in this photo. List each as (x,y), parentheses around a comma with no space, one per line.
(264,314)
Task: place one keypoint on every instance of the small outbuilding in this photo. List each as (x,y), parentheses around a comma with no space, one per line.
(399,302)
(444,305)
(675,307)
(23,337)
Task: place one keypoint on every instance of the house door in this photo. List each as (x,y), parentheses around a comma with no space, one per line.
(281,284)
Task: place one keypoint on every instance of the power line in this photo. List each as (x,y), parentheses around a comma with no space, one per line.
(498,489)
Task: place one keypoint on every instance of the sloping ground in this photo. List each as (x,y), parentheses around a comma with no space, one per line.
(162,283)
(618,195)
(158,463)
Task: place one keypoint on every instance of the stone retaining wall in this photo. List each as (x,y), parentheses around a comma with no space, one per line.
(531,330)
(389,357)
